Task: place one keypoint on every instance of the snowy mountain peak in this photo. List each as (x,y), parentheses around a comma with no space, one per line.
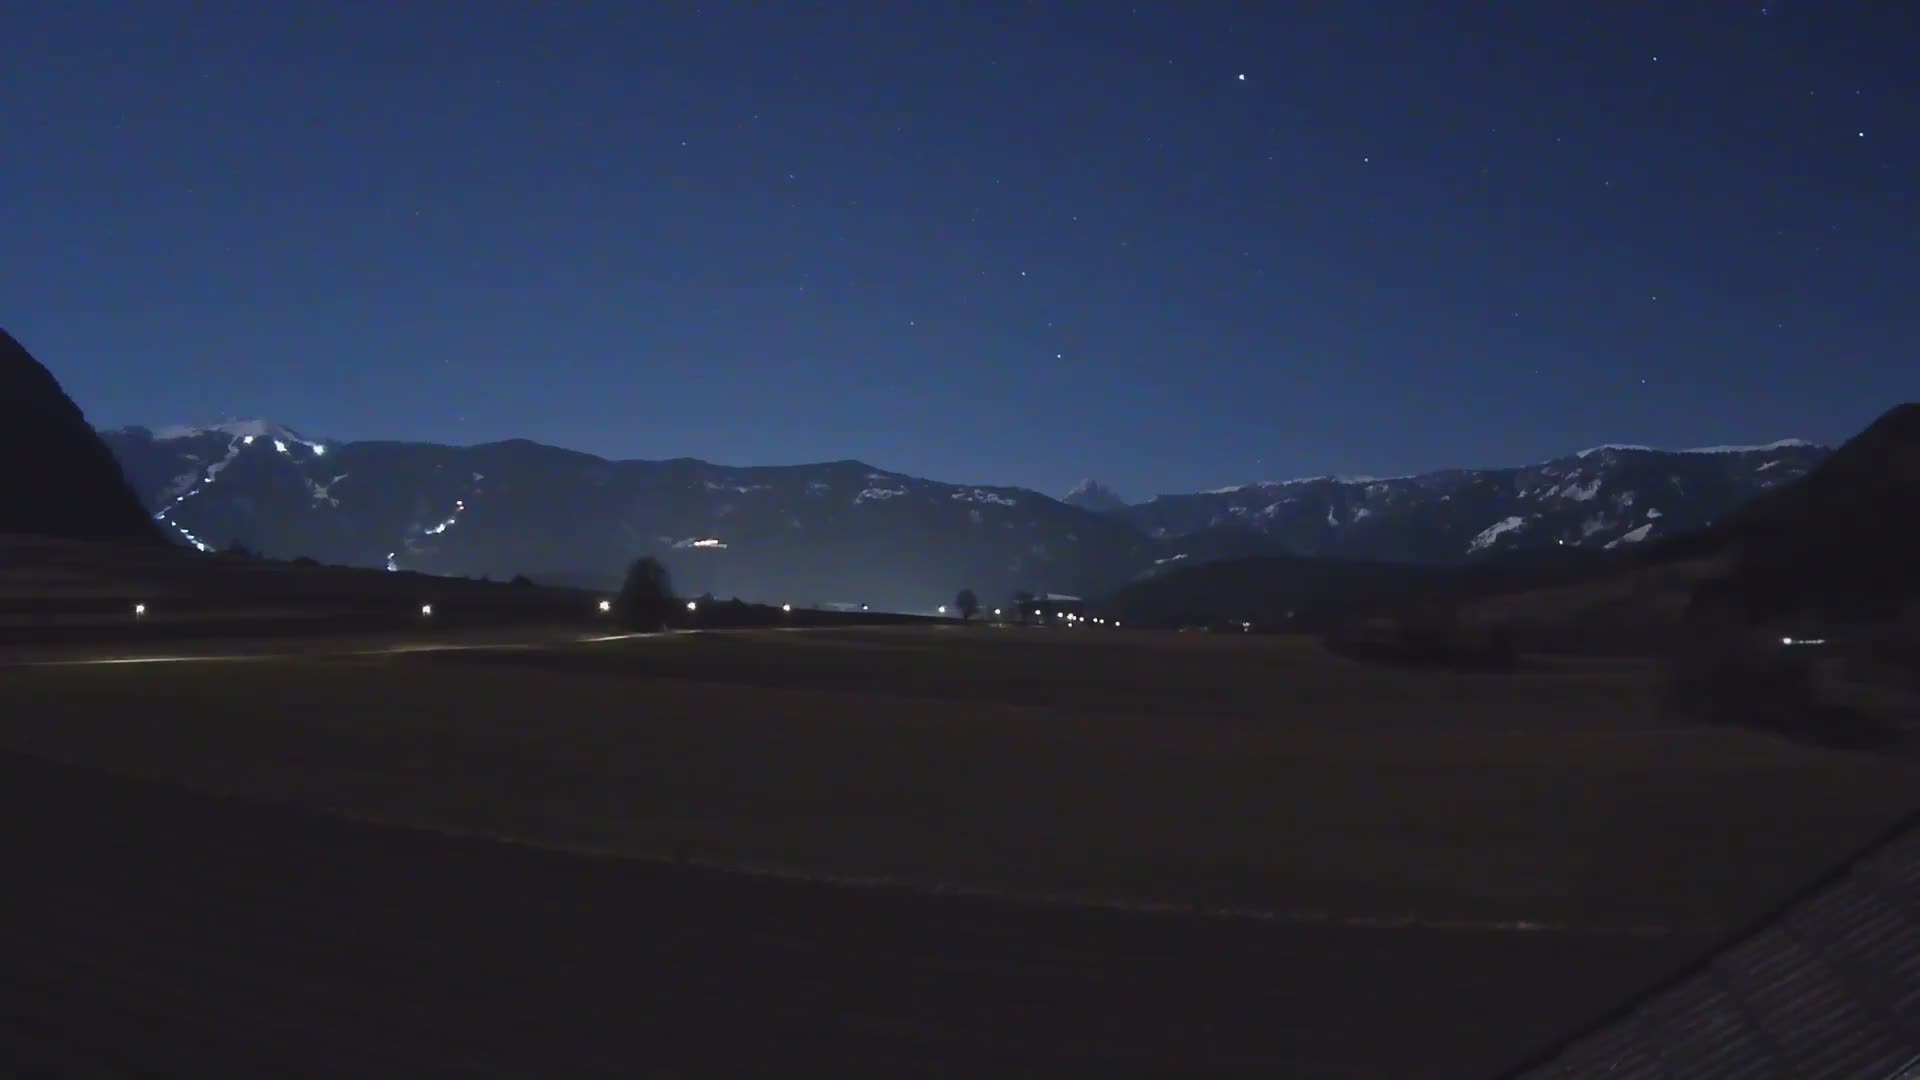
(1095,496)
(244,432)
(232,426)
(1781,444)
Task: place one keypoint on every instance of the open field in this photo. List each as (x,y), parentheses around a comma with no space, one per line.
(1257,773)
(152,932)
(1521,849)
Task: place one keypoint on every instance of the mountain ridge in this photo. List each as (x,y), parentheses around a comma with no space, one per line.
(65,482)
(850,530)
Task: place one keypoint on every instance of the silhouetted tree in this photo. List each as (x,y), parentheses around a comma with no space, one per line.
(967,604)
(521,581)
(646,599)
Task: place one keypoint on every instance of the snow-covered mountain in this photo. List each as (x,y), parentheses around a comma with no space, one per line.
(833,532)
(1604,497)
(847,531)
(1095,496)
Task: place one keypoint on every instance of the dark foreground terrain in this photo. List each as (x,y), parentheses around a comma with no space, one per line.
(154,931)
(428,858)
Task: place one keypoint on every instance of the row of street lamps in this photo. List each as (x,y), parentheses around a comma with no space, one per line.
(606,608)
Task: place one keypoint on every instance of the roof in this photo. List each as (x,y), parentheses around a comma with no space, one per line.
(1058,597)
(1829,986)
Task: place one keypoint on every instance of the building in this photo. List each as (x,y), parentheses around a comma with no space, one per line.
(1050,609)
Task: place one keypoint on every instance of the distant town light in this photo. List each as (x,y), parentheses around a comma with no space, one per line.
(319,451)
(139,609)
(606,606)
(426,609)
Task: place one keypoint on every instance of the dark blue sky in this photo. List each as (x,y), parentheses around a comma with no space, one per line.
(995,243)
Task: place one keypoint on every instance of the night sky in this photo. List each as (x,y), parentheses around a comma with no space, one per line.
(1171,246)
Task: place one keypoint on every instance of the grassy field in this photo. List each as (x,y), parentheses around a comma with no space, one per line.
(1255,772)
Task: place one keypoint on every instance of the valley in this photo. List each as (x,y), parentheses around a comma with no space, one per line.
(1529,847)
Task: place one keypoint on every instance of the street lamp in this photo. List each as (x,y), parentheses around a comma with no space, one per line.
(788,608)
(693,605)
(426,610)
(943,609)
(139,610)
(606,606)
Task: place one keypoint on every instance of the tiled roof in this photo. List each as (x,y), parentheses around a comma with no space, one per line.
(1828,988)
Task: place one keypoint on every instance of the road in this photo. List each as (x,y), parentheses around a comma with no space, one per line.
(237,648)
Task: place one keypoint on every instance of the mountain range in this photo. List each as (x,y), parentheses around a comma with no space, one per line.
(846,531)
(62,481)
